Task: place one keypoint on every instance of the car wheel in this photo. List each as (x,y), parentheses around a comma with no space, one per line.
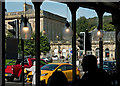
(20,77)
(25,77)
(78,77)
(49,81)
(10,79)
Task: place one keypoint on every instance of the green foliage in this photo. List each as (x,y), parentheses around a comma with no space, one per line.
(108,27)
(8,34)
(29,45)
(92,28)
(9,60)
(82,24)
(107,19)
(93,21)
(44,45)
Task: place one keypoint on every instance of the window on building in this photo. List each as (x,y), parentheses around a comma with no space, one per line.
(111,55)
(64,52)
(55,52)
(107,53)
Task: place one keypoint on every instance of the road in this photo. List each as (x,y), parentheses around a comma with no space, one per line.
(16,83)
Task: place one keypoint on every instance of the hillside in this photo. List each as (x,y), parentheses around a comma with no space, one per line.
(82,24)
(94,21)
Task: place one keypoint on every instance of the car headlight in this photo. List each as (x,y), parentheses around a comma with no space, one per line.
(44,74)
(25,71)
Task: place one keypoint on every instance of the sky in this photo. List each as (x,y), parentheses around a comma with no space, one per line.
(55,8)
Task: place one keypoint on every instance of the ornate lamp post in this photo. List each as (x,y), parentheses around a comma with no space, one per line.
(67,32)
(25,32)
(100,34)
(59,51)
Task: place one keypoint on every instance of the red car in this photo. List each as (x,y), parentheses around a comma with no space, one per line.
(15,71)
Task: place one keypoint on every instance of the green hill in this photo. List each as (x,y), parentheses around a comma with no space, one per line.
(82,23)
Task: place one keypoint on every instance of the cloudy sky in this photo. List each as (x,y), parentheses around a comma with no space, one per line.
(53,7)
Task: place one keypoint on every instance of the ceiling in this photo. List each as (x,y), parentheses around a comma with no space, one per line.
(105,6)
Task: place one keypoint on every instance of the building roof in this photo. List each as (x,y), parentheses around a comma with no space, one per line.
(108,36)
(30,13)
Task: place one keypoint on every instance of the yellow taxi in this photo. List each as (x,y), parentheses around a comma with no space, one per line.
(47,71)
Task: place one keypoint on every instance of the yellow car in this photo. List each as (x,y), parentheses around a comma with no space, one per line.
(47,71)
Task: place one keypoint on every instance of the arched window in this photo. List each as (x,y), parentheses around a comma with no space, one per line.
(55,52)
(107,53)
(64,52)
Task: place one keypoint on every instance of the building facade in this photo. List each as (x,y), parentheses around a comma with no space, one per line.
(109,41)
(50,24)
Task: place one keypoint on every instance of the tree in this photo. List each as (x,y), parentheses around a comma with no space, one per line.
(29,45)
(108,27)
(44,44)
(81,25)
(92,28)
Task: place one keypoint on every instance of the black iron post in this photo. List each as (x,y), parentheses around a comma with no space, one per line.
(2,43)
(37,41)
(73,9)
(116,23)
(74,44)
(86,32)
(100,26)
(101,52)
(22,45)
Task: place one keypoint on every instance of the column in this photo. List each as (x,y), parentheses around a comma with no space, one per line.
(2,43)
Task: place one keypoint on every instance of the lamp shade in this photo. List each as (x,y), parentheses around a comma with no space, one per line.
(25,30)
(100,33)
(67,32)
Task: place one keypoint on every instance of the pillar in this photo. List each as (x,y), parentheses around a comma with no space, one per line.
(73,8)
(116,23)
(2,43)
(37,41)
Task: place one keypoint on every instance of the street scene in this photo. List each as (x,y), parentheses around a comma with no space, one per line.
(50,43)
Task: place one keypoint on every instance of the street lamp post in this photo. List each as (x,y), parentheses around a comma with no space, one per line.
(25,32)
(99,33)
(58,46)
(101,52)
(22,45)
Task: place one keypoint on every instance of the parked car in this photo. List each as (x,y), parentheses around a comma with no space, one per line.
(47,71)
(27,70)
(47,59)
(109,66)
(55,58)
(15,71)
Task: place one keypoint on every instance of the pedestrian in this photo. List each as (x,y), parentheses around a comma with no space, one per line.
(58,79)
(93,76)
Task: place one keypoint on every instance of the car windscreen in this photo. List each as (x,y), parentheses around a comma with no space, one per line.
(105,64)
(109,64)
(49,67)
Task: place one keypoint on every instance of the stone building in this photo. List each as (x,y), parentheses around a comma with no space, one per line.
(50,24)
(109,41)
